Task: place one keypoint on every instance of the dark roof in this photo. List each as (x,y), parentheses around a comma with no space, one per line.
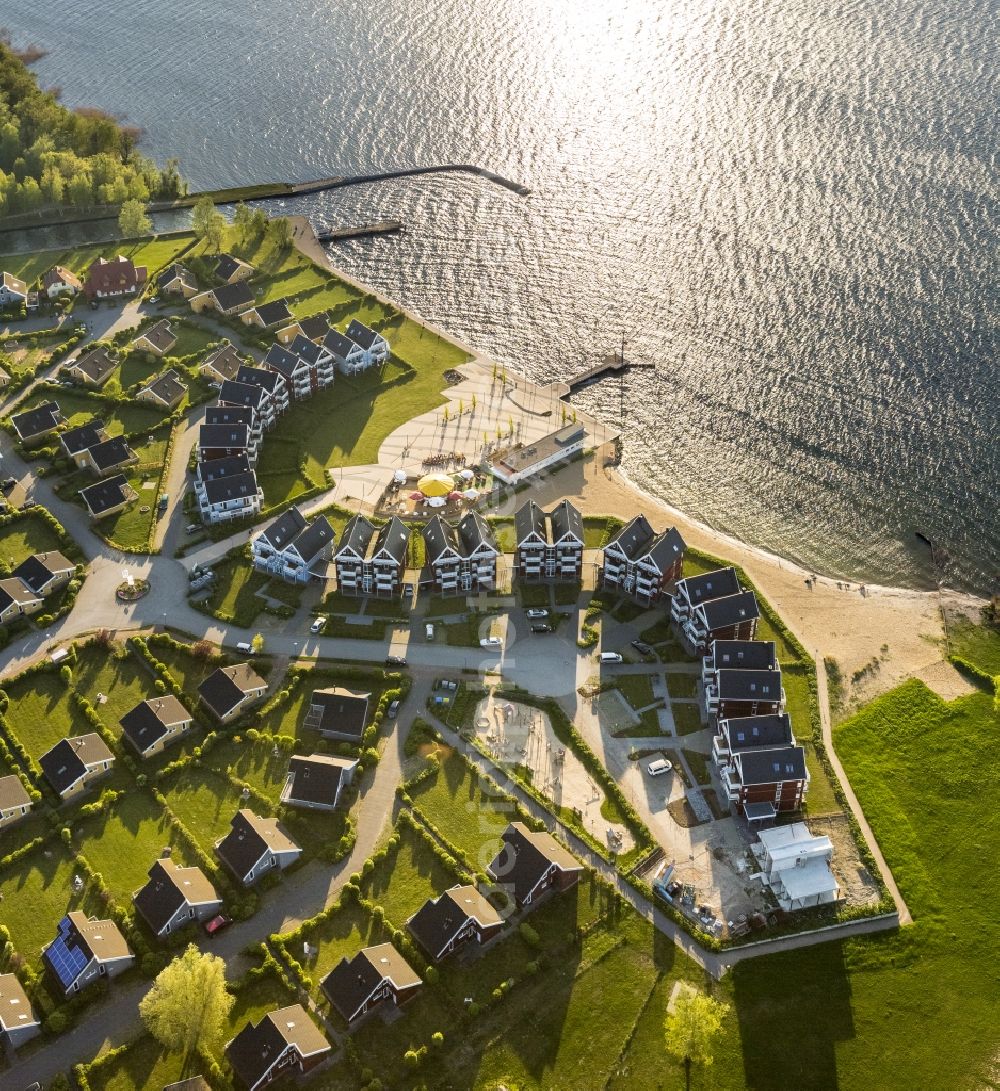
(394,537)
(473,531)
(633,537)
(229,414)
(760,655)
(752,732)
(150,720)
(161,335)
(34,422)
(106,494)
(284,529)
(167,387)
(361,334)
(97,364)
(711,585)
(666,549)
(38,569)
(67,761)
(220,489)
(112,452)
(159,899)
(228,296)
(216,436)
(317,778)
(258,376)
(281,360)
(227,265)
(740,685)
(238,393)
(274,312)
(525,858)
(225,359)
(439,536)
(770,766)
(338,344)
(357,535)
(566,519)
(176,272)
(250,838)
(731,610)
(439,919)
(225,687)
(252,1052)
(529,519)
(306,349)
(349,984)
(83,437)
(342,710)
(230,466)
(116,275)
(314,538)
(314,327)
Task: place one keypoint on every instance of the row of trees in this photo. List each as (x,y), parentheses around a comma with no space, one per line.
(50,155)
(249,225)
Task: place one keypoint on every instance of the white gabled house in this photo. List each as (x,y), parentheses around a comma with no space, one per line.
(227,489)
(293,549)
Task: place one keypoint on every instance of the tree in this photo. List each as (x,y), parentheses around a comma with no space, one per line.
(187,1007)
(257,643)
(243,224)
(207,223)
(279,233)
(690,1028)
(133,221)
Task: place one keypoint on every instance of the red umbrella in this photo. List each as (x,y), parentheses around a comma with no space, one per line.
(454,495)
(416,496)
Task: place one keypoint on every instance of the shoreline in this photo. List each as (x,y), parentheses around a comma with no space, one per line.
(884,634)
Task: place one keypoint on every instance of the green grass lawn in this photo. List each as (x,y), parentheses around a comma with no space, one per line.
(153,252)
(687,718)
(637,689)
(145,1063)
(979,644)
(251,762)
(27,535)
(187,670)
(287,718)
(449,797)
(342,935)
(131,528)
(799,705)
(682,685)
(124,844)
(206,803)
(119,676)
(37,893)
(40,712)
(235,596)
(78,407)
(406,878)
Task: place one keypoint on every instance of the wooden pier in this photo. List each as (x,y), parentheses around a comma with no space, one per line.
(609,366)
(340,234)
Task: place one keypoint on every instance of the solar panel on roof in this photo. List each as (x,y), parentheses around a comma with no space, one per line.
(67,961)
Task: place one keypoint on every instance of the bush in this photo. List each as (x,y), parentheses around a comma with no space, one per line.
(432,975)
(529,935)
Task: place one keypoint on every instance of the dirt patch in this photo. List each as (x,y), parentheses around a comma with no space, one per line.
(856,883)
(681,812)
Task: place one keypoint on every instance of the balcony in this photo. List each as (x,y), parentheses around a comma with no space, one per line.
(720,750)
(730,784)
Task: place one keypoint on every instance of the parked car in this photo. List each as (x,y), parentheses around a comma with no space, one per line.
(541,628)
(611,657)
(217,924)
(393,710)
(642,647)
(491,642)
(318,625)
(429,631)
(661,765)
(445,683)
(245,648)
(395,661)
(536,611)
(192,528)
(153,299)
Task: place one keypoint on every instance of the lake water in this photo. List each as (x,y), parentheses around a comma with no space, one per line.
(789,207)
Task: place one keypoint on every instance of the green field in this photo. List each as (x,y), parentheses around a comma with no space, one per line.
(119,676)
(206,803)
(187,670)
(235,597)
(406,878)
(40,712)
(24,537)
(78,407)
(154,253)
(251,762)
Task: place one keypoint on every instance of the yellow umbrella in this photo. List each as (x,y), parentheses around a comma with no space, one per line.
(435,485)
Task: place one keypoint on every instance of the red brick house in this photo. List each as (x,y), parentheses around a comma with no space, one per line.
(117,277)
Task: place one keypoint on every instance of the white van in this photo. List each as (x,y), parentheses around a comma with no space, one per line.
(611,657)
(661,765)
(429,631)
(245,648)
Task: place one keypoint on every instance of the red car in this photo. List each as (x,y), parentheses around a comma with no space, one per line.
(216,924)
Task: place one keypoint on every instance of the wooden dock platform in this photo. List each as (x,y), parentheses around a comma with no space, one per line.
(339,234)
(609,366)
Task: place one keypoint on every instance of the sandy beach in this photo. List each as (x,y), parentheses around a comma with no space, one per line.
(901,630)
